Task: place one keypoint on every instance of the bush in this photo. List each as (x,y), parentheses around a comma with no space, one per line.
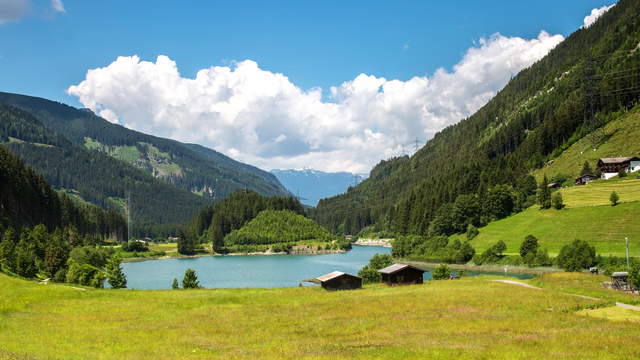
(614,198)
(491,255)
(174,284)
(576,256)
(529,245)
(442,272)
(634,276)
(622,173)
(135,246)
(369,273)
(556,201)
(472,232)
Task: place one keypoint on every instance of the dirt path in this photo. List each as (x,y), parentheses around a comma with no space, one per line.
(517,283)
(618,304)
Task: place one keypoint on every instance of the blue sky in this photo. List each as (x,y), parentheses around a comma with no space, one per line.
(315,44)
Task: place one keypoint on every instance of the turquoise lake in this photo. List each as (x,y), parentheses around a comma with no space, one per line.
(269,271)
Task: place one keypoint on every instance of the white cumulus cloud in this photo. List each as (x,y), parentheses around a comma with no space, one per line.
(58,6)
(11,10)
(595,14)
(261,117)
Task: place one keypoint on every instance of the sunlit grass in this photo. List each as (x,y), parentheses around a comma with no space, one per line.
(469,318)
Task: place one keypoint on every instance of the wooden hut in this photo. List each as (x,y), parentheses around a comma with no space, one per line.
(338,280)
(585,179)
(620,280)
(399,274)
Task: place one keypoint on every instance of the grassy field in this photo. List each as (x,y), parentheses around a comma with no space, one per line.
(621,140)
(587,215)
(604,227)
(597,193)
(473,318)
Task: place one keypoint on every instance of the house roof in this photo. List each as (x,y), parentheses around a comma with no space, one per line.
(620,274)
(333,275)
(618,160)
(586,175)
(397,267)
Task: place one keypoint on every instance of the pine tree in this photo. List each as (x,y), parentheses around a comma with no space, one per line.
(190,280)
(174,284)
(544,194)
(586,169)
(115,275)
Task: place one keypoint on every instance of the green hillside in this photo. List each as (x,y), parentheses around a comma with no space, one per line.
(619,138)
(588,216)
(460,320)
(193,168)
(94,176)
(272,227)
(529,122)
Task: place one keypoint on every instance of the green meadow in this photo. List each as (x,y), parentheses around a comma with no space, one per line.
(472,318)
(588,215)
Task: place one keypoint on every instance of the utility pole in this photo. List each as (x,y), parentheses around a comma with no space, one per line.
(626,239)
(128,216)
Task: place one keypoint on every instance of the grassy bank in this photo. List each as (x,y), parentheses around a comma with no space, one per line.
(604,227)
(470,318)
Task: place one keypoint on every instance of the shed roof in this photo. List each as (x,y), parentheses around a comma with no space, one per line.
(618,160)
(329,276)
(397,267)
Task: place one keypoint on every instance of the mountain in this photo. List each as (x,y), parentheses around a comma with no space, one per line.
(579,86)
(94,176)
(188,166)
(313,185)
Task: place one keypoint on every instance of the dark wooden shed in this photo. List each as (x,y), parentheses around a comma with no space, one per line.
(401,274)
(585,179)
(338,280)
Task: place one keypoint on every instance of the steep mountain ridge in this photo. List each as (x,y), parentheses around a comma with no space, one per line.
(191,167)
(94,176)
(537,114)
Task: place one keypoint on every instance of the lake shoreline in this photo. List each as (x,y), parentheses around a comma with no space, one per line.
(484,268)
(374,242)
(265,253)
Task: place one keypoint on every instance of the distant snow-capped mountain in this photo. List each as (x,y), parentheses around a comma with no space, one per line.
(313,185)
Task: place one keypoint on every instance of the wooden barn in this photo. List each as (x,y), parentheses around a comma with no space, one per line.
(610,167)
(338,280)
(400,274)
(585,179)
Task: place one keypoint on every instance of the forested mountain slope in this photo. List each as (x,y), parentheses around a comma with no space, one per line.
(26,200)
(94,176)
(191,167)
(537,115)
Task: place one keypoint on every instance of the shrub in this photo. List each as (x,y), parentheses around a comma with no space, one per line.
(442,272)
(622,173)
(577,256)
(530,244)
(135,246)
(634,276)
(369,274)
(472,232)
(174,284)
(556,201)
(491,255)
(614,198)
